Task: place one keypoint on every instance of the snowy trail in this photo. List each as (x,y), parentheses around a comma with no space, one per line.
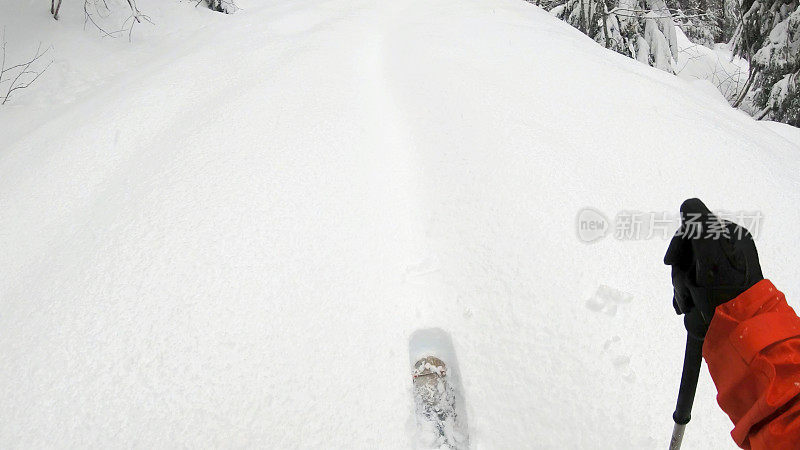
(254,265)
(243,262)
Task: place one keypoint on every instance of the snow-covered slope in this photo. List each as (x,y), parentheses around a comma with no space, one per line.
(230,239)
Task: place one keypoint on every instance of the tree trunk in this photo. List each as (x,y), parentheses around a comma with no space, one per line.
(746,88)
(583,18)
(605,24)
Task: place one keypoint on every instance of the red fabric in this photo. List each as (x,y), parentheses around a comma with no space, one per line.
(752,349)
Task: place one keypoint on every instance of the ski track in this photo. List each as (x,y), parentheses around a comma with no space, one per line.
(238,258)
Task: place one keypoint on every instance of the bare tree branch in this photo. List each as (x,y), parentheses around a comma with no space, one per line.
(3,63)
(26,64)
(92,8)
(23,78)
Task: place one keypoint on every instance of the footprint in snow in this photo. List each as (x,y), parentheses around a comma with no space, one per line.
(620,360)
(420,270)
(607,299)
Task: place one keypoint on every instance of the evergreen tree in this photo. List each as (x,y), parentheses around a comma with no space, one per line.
(769,37)
(641,29)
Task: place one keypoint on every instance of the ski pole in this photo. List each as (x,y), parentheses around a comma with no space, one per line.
(691,371)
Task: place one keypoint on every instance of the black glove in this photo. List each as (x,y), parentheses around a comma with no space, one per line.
(712,261)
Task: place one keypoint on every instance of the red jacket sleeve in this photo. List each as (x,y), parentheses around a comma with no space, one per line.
(752,349)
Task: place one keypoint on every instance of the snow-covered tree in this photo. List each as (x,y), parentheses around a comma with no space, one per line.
(769,37)
(729,16)
(700,20)
(641,29)
(765,32)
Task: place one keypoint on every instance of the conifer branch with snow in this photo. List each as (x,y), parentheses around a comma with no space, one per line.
(768,36)
(764,32)
(641,29)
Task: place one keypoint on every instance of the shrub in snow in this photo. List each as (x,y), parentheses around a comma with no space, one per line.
(641,29)
(55,8)
(14,77)
(769,36)
(95,11)
(103,8)
(223,6)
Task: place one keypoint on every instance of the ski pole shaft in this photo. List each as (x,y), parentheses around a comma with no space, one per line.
(691,371)
(677,436)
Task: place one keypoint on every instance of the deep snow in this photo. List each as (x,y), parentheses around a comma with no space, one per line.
(225,232)
(714,69)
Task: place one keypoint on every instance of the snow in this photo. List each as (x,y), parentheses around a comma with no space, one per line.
(790,133)
(713,69)
(226,232)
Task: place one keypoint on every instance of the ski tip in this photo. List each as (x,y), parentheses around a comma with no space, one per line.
(429,366)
